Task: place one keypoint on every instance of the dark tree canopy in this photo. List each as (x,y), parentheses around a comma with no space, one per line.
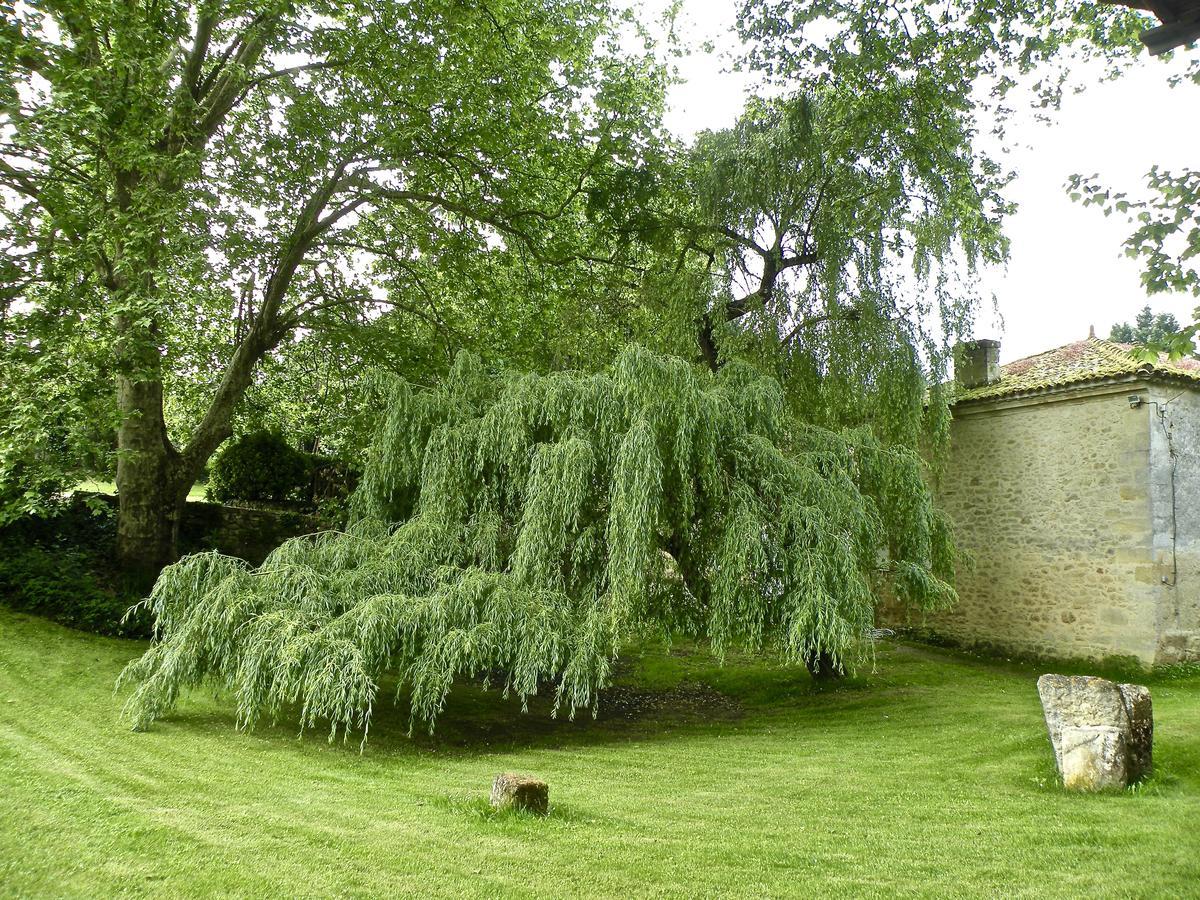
(1147,328)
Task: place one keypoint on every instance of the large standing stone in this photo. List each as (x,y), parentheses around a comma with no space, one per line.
(1093,757)
(1101,732)
(1140,740)
(1069,700)
(520,792)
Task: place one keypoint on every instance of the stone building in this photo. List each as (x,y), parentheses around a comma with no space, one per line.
(1073,480)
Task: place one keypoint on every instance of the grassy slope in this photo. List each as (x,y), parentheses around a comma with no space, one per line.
(931,776)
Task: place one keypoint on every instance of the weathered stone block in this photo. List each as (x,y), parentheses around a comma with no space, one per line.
(520,792)
(1070,700)
(1093,757)
(1083,713)
(1140,740)
(1179,646)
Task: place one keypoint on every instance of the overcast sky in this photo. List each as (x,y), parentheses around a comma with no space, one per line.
(1067,269)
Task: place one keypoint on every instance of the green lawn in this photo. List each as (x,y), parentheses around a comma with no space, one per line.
(932,776)
(108,487)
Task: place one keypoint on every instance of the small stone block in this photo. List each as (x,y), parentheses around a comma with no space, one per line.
(1093,758)
(520,792)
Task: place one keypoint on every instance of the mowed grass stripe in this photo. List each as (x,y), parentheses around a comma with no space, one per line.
(929,776)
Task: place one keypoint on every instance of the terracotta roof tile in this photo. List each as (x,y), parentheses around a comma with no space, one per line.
(1084,361)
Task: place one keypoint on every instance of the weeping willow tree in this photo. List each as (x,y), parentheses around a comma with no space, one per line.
(764,494)
(530,525)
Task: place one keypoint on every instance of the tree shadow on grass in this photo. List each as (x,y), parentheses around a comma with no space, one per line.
(478,720)
(656,694)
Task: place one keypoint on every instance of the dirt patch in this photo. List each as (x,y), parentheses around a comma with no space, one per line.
(687,701)
(475,720)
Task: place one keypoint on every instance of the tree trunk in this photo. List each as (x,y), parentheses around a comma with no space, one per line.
(707,343)
(152,483)
(153,477)
(822,668)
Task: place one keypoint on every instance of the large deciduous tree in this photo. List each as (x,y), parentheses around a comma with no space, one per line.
(837,230)
(194,182)
(855,188)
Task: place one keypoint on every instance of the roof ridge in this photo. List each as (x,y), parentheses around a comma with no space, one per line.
(1076,363)
(1013,362)
(1113,349)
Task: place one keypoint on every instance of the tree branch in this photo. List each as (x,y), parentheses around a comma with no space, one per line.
(224,92)
(292,70)
(268,328)
(841,315)
(195,61)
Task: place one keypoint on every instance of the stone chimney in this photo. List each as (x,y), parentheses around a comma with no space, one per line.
(977,363)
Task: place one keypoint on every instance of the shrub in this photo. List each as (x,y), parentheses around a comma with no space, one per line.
(261,466)
(28,488)
(59,566)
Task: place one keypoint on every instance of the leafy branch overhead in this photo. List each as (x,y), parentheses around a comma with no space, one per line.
(529,524)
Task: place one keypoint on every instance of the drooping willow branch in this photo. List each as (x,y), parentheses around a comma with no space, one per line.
(531,524)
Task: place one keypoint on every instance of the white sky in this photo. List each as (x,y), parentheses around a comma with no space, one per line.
(1067,268)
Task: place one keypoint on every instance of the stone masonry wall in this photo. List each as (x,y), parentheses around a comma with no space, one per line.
(234,530)
(237,531)
(1051,497)
(1175,498)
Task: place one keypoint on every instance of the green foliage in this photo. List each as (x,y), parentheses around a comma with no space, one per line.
(1147,328)
(972,50)
(864,176)
(226,198)
(261,466)
(60,567)
(1167,241)
(531,524)
(1165,236)
(835,233)
(67,585)
(58,421)
(829,276)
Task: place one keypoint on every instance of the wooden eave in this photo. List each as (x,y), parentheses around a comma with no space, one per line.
(1180,22)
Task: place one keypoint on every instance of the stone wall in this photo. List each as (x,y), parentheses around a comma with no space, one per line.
(1052,498)
(234,530)
(1175,499)
(248,533)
